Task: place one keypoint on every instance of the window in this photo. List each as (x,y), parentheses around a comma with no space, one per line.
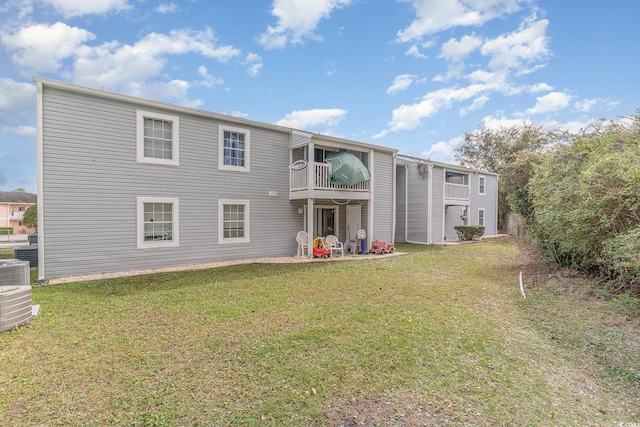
(21,209)
(457,178)
(481,185)
(157,222)
(233,148)
(481,216)
(233,221)
(157,138)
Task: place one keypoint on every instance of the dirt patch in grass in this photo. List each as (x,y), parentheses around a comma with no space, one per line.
(406,410)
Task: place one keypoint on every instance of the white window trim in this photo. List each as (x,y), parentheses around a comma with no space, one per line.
(143,244)
(247,148)
(175,144)
(484,217)
(247,217)
(484,180)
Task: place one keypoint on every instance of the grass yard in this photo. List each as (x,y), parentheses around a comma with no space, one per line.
(438,337)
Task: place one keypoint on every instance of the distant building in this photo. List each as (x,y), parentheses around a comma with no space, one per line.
(13,204)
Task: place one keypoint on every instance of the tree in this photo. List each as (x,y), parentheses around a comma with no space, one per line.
(496,150)
(30,218)
(19,190)
(490,149)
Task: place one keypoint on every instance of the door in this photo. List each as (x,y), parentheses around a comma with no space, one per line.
(325,220)
(354,213)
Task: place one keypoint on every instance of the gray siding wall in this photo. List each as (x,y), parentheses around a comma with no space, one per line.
(91,181)
(438,205)
(383,190)
(400,202)
(487,201)
(417,207)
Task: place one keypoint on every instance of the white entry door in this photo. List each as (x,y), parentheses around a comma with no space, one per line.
(354,213)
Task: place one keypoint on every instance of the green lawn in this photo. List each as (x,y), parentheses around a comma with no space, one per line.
(438,337)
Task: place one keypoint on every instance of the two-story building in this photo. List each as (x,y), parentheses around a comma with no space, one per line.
(13,205)
(153,185)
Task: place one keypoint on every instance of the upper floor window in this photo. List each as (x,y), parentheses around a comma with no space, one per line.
(482,182)
(457,178)
(157,138)
(233,148)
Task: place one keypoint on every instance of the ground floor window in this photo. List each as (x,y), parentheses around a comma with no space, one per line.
(481,216)
(157,222)
(233,221)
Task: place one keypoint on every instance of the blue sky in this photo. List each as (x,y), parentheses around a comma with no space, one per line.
(410,74)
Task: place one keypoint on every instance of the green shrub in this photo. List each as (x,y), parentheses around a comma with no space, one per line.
(620,261)
(469,232)
(6,230)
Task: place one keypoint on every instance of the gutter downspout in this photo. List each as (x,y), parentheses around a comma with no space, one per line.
(430,204)
(406,208)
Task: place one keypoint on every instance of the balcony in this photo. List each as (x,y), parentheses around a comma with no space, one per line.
(16,215)
(321,187)
(456,193)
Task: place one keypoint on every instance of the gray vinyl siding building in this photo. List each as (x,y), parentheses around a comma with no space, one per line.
(429,206)
(90,182)
(127,185)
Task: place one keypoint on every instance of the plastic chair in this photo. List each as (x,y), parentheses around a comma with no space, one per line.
(303,243)
(334,244)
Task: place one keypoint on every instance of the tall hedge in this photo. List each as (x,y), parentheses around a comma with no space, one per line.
(586,197)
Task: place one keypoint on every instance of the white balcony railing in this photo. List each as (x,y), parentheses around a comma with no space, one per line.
(322,179)
(456,191)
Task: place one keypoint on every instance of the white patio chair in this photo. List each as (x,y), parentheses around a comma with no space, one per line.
(303,243)
(334,244)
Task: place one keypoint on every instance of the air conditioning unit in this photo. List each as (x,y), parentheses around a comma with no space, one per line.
(14,272)
(15,294)
(15,306)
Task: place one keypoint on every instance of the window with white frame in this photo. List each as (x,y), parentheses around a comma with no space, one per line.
(482,182)
(481,216)
(233,148)
(158,221)
(233,221)
(157,138)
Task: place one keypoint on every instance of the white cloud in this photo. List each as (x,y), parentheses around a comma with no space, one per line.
(492,122)
(254,62)
(70,8)
(437,15)
(520,48)
(297,20)
(540,87)
(443,151)
(550,102)
(209,80)
(408,117)
(307,119)
(585,105)
(167,8)
(113,65)
(23,130)
(16,96)
(401,82)
(41,48)
(455,50)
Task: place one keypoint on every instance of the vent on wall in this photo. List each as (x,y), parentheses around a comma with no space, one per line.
(15,294)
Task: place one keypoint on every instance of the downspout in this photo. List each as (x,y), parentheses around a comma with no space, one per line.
(40,144)
(430,204)
(406,209)
(393,201)
(311,186)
